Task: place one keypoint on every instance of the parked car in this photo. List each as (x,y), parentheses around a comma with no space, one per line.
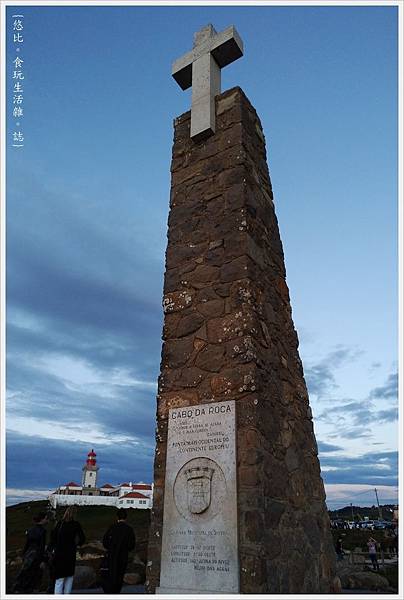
(381,524)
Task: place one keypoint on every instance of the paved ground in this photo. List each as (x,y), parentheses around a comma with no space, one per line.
(139,589)
(127,589)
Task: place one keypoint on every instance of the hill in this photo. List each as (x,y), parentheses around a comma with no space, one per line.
(359,512)
(94,520)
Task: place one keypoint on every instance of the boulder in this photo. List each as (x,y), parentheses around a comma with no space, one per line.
(353,578)
(84,577)
(371,581)
(132,578)
(138,568)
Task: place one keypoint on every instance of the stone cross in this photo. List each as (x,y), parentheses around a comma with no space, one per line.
(200,68)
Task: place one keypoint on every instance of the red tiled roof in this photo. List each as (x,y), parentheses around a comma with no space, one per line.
(125,484)
(107,485)
(141,486)
(135,495)
(72,484)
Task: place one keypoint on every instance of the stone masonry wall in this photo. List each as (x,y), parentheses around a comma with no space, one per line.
(229,335)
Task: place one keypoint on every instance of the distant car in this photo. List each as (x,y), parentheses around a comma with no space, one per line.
(381,524)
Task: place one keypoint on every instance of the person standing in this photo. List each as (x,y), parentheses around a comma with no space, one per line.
(30,575)
(119,540)
(373,553)
(67,535)
(339,549)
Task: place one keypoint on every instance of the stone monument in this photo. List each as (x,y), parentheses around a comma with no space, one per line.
(239,504)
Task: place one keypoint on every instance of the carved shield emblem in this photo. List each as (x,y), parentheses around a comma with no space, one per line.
(199,483)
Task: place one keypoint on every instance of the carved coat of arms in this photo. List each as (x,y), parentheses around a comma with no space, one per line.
(199,483)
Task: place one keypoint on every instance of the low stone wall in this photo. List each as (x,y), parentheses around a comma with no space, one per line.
(66,500)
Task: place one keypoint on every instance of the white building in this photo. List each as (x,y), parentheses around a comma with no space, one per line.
(124,495)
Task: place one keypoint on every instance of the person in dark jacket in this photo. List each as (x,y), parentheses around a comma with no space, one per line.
(119,540)
(339,549)
(30,575)
(65,538)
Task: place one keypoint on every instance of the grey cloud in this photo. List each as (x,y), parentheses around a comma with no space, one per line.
(324,447)
(352,433)
(374,468)
(54,462)
(320,377)
(387,416)
(388,390)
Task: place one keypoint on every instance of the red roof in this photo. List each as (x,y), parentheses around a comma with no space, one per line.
(135,495)
(107,485)
(125,484)
(72,484)
(141,486)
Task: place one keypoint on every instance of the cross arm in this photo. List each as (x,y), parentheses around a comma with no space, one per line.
(182,70)
(225,47)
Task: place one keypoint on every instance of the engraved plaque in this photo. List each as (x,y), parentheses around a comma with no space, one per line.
(199,547)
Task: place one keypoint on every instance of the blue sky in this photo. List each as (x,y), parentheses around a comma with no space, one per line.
(87,207)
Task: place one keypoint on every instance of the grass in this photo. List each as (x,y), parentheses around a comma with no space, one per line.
(95,520)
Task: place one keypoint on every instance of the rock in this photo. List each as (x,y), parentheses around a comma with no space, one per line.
(189,324)
(354,578)
(132,578)
(84,577)
(14,563)
(96,544)
(336,587)
(210,358)
(138,561)
(371,581)
(89,556)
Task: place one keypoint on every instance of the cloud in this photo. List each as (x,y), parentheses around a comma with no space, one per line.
(352,433)
(388,390)
(351,419)
(387,416)
(320,377)
(373,468)
(16,495)
(37,463)
(323,447)
(84,286)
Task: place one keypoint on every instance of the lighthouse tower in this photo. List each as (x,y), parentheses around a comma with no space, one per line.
(89,478)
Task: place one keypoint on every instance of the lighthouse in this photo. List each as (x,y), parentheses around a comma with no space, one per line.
(89,478)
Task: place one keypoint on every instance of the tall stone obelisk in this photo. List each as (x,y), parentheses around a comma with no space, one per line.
(239,503)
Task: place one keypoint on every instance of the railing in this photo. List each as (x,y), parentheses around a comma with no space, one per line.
(355,557)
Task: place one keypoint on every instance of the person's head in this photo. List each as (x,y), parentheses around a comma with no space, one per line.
(70,513)
(121,514)
(40,518)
